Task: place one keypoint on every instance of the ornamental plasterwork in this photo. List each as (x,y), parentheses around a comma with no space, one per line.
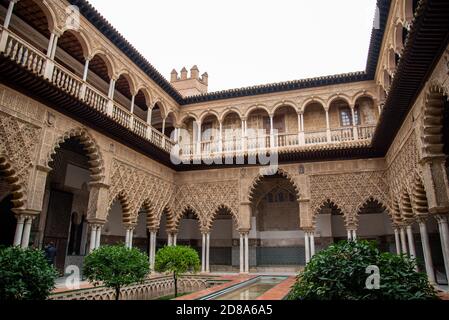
(206,199)
(18,143)
(401,172)
(139,187)
(348,191)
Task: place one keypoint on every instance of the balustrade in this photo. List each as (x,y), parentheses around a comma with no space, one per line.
(31,58)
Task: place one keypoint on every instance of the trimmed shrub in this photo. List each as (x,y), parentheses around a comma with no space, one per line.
(341,272)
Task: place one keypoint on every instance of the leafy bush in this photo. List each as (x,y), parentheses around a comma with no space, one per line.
(340,273)
(177,260)
(116,267)
(25,274)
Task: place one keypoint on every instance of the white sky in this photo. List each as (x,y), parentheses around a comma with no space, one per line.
(247,42)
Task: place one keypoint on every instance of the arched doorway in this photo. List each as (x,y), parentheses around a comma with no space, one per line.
(224,242)
(275,238)
(374,224)
(63,219)
(330,225)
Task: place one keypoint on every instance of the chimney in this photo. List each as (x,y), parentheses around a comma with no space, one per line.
(174,76)
(184,74)
(195,73)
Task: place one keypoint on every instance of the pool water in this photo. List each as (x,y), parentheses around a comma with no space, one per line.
(249,290)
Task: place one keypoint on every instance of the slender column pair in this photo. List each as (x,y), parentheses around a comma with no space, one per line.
(244,252)
(205,252)
(309,240)
(129,237)
(352,235)
(172,239)
(23,231)
(95,236)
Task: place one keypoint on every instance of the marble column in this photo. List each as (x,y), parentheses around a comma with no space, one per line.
(426,249)
(19,230)
(203,253)
(411,242)
(27,232)
(208,252)
(242,262)
(93,237)
(9,13)
(246,252)
(444,236)
(397,241)
(127,238)
(307,246)
(403,241)
(98,240)
(312,244)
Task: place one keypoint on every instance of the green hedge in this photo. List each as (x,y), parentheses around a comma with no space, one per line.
(25,274)
(340,273)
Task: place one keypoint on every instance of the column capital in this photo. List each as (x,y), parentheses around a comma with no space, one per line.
(244,232)
(27,214)
(98,184)
(441,218)
(96,222)
(422,218)
(130,226)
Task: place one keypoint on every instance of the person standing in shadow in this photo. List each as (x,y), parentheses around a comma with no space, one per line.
(50,253)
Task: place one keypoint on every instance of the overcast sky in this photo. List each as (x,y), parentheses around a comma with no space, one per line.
(247,42)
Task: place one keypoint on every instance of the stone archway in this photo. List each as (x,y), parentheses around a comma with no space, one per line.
(275,238)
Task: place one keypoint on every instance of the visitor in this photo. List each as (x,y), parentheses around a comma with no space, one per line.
(50,253)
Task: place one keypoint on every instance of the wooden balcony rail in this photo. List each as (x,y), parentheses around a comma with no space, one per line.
(31,58)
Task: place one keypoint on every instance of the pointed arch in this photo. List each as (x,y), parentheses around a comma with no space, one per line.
(147,208)
(127,215)
(281,173)
(371,201)
(17,188)
(432,122)
(223,207)
(196,213)
(170,216)
(419,203)
(92,149)
(406,206)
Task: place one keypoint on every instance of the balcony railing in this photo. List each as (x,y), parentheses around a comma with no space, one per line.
(31,58)
(283,141)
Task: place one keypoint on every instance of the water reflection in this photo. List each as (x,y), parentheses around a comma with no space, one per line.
(251,291)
